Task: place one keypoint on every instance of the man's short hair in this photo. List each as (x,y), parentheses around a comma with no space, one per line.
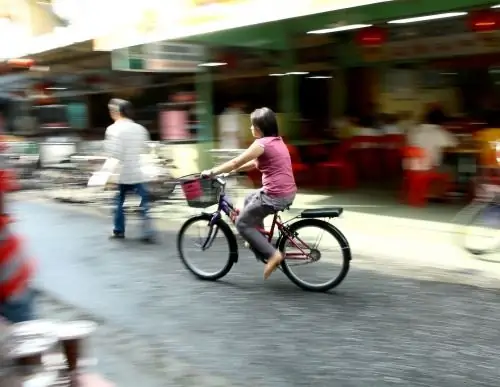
(121,106)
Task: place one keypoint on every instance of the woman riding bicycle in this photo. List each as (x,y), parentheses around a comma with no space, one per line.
(269,154)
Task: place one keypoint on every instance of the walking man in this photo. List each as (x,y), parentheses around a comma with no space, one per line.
(125,142)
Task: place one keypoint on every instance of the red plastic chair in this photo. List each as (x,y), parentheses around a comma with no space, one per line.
(300,170)
(391,149)
(338,169)
(366,154)
(416,182)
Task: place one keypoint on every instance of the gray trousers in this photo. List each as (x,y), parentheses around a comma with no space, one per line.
(257,207)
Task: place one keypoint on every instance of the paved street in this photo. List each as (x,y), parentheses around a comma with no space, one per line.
(380,328)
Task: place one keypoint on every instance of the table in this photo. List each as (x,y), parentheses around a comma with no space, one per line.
(77,158)
(313,152)
(54,372)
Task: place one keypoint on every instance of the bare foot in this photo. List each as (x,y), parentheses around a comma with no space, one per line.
(272,264)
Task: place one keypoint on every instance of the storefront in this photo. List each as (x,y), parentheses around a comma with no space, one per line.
(252,25)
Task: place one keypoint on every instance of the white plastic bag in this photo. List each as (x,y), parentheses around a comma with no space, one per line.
(102,177)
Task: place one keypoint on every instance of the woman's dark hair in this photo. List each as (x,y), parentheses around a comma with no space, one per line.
(265,120)
(122,106)
(435,116)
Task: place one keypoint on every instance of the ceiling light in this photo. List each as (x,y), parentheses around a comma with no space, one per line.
(276,75)
(56,88)
(212,64)
(428,17)
(297,73)
(339,29)
(39,68)
(496,6)
(321,77)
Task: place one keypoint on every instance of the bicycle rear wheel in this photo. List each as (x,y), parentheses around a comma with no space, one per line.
(481,234)
(302,251)
(205,237)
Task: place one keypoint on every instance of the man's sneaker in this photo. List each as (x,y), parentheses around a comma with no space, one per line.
(149,239)
(117,235)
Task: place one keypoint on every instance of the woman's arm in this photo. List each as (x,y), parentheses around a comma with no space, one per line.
(246,167)
(254,151)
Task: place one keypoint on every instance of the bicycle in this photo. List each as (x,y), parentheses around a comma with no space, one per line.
(480,233)
(203,192)
(480,230)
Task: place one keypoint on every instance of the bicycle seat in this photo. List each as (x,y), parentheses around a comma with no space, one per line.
(331,212)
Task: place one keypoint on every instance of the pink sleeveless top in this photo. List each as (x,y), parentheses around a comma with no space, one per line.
(276,167)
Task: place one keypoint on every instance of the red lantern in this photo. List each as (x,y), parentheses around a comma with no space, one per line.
(42,87)
(231,60)
(21,63)
(484,21)
(93,79)
(371,37)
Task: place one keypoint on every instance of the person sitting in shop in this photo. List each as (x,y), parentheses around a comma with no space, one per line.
(367,126)
(433,138)
(390,125)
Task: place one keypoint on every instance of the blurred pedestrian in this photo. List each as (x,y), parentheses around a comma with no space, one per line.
(16,267)
(230,127)
(125,142)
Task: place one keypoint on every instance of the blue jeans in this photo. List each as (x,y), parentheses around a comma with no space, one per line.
(19,309)
(119,222)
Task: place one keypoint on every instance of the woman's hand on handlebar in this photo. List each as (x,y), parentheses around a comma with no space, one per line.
(207,173)
(210,173)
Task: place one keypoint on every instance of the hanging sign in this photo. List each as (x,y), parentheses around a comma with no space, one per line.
(166,57)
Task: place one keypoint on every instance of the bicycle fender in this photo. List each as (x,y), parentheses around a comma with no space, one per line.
(344,242)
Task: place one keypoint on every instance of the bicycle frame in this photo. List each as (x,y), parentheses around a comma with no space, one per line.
(231,212)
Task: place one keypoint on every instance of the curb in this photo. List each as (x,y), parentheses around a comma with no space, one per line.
(356,219)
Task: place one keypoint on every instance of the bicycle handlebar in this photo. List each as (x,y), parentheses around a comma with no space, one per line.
(220,179)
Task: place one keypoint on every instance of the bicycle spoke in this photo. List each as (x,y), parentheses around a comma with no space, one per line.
(320,236)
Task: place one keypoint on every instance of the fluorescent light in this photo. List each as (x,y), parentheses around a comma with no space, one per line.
(339,29)
(56,88)
(40,68)
(428,17)
(496,6)
(321,77)
(277,75)
(212,64)
(297,73)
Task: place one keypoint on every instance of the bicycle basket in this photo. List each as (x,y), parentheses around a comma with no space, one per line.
(200,193)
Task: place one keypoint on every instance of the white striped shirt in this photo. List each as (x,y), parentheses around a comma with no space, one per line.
(126,141)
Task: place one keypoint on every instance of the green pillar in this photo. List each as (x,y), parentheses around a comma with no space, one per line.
(205,106)
(288,95)
(338,93)
(205,140)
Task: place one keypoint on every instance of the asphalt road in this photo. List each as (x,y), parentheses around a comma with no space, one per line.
(374,330)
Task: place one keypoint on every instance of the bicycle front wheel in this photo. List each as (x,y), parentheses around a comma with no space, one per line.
(481,234)
(199,245)
(317,255)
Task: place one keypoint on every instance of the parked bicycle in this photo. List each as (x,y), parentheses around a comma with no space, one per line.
(204,192)
(480,220)
(480,227)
